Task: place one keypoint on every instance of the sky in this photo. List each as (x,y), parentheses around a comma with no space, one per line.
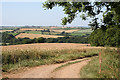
(32,13)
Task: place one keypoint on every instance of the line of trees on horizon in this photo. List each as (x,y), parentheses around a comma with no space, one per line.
(9,39)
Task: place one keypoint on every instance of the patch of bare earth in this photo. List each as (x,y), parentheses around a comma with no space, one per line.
(71,71)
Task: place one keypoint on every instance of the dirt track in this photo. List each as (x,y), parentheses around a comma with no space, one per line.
(46,71)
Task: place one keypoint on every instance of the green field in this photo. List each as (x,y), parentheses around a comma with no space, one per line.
(14,34)
(39,32)
(33,32)
(82,32)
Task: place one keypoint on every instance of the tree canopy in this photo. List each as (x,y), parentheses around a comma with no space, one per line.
(106,31)
(109,10)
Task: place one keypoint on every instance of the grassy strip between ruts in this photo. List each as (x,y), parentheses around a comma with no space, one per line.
(67,64)
(16,59)
(109,66)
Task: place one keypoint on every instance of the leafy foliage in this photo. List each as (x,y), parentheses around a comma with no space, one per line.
(88,9)
(97,38)
(110,37)
(7,37)
(106,32)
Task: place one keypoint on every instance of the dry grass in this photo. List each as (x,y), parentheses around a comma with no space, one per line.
(28,55)
(48,46)
(32,36)
(109,66)
(32,29)
(68,31)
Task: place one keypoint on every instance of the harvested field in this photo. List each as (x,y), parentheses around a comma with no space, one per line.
(32,29)
(68,31)
(32,36)
(5,30)
(48,46)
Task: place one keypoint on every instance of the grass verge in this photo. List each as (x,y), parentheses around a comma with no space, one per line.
(15,59)
(109,66)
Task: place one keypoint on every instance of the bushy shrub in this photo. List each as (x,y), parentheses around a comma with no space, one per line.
(112,36)
(97,38)
(109,37)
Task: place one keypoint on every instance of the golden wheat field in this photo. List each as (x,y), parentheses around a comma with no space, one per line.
(32,36)
(32,29)
(48,46)
(5,30)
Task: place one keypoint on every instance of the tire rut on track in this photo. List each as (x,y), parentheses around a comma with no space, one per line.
(46,71)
